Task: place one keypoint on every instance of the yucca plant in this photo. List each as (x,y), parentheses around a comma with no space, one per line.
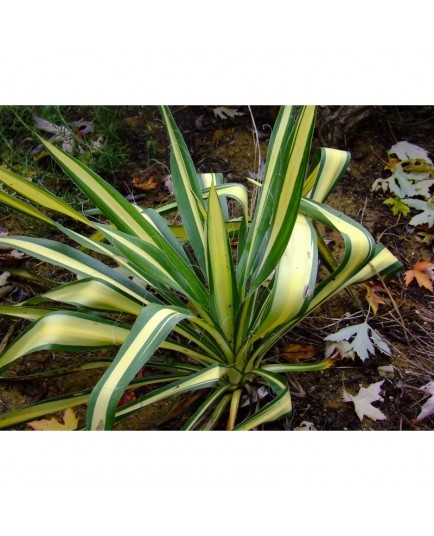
(217,292)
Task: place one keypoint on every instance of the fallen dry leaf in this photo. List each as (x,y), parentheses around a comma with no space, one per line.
(305,426)
(12,257)
(70,422)
(372,295)
(362,339)
(149,184)
(422,271)
(127,397)
(223,112)
(427,236)
(295,353)
(409,151)
(363,401)
(428,407)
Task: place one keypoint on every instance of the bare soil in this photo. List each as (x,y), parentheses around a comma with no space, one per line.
(405,320)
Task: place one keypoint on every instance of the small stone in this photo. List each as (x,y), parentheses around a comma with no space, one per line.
(386,371)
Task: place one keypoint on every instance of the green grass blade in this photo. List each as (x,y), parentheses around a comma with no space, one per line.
(169,269)
(62,371)
(278,150)
(213,420)
(300,367)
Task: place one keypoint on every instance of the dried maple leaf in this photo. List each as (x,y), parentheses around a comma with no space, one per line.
(363,341)
(363,401)
(427,214)
(409,151)
(295,353)
(422,271)
(70,422)
(372,295)
(223,112)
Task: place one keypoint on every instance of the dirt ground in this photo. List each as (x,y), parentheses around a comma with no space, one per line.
(405,320)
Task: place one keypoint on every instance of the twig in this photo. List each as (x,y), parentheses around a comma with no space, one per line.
(398,312)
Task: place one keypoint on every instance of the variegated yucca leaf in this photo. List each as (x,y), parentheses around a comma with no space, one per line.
(279,197)
(91,294)
(21,206)
(66,331)
(220,270)
(326,170)
(151,328)
(187,188)
(77,262)
(110,202)
(38,195)
(61,403)
(25,312)
(204,379)
(294,281)
(280,406)
(43,408)
(217,289)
